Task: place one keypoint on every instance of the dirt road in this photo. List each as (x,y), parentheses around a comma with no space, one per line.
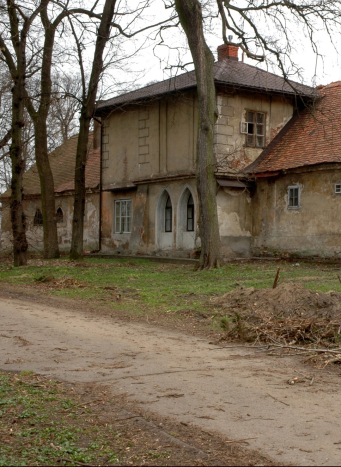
(237,391)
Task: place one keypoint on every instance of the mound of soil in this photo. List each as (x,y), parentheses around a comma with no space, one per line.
(289,313)
(289,299)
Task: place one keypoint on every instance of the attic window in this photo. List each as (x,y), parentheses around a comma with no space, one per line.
(59,216)
(254,129)
(38,218)
(294,197)
(337,187)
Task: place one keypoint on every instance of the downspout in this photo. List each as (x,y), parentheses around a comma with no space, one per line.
(100,192)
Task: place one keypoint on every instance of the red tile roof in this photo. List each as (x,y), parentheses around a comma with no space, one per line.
(226,72)
(62,161)
(311,137)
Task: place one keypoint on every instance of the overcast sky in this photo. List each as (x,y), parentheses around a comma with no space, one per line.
(314,70)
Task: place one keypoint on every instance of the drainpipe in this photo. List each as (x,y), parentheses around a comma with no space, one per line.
(100,192)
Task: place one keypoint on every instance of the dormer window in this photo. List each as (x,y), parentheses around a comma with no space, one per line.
(254,129)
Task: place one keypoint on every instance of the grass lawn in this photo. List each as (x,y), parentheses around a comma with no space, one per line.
(142,286)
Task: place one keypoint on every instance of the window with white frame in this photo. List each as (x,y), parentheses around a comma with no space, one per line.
(123,215)
(254,129)
(337,187)
(294,195)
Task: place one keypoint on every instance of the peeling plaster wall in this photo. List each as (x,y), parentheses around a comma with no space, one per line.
(229,142)
(146,238)
(234,217)
(34,233)
(313,229)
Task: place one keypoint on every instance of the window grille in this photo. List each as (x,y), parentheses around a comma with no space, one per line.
(190,214)
(123,215)
(168,215)
(294,195)
(254,129)
(38,218)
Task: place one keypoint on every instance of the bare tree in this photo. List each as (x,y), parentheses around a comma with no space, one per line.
(15,32)
(107,22)
(63,121)
(190,15)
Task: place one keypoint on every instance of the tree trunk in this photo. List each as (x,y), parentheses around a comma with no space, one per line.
(190,16)
(79,203)
(87,112)
(39,118)
(18,167)
(51,249)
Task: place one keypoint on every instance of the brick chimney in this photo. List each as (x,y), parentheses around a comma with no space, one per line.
(229,51)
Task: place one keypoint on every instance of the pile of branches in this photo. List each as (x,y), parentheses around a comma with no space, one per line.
(319,338)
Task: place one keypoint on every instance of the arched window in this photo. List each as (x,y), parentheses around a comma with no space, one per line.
(190,214)
(38,218)
(59,216)
(168,215)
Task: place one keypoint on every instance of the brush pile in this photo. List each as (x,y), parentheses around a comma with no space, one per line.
(288,315)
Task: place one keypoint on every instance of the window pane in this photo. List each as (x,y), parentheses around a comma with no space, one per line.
(260,118)
(249,140)
(294,198)
(129,224)
(250,116)
(260,141)
(250,128)
(124,224)
(260,130)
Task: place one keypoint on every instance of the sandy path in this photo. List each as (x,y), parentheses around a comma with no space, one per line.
(237,391)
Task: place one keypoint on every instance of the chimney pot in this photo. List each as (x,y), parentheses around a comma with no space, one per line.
(229,51)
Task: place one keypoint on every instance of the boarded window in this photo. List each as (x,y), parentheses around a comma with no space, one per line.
(38,218)
(254,129)
(123,215)
(60,216)
(168,215)
(294,194)
(190,214)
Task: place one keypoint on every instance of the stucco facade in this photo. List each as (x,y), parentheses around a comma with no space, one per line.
(148,154)
(34,232)
(313,228)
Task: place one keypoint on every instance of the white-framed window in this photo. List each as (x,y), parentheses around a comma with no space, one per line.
(337,187)
(294,197)
(254,129)
(123,215)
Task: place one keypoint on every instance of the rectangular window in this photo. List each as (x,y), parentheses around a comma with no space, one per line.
(294,194)
(254,129)
(123,214)
(337,187)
